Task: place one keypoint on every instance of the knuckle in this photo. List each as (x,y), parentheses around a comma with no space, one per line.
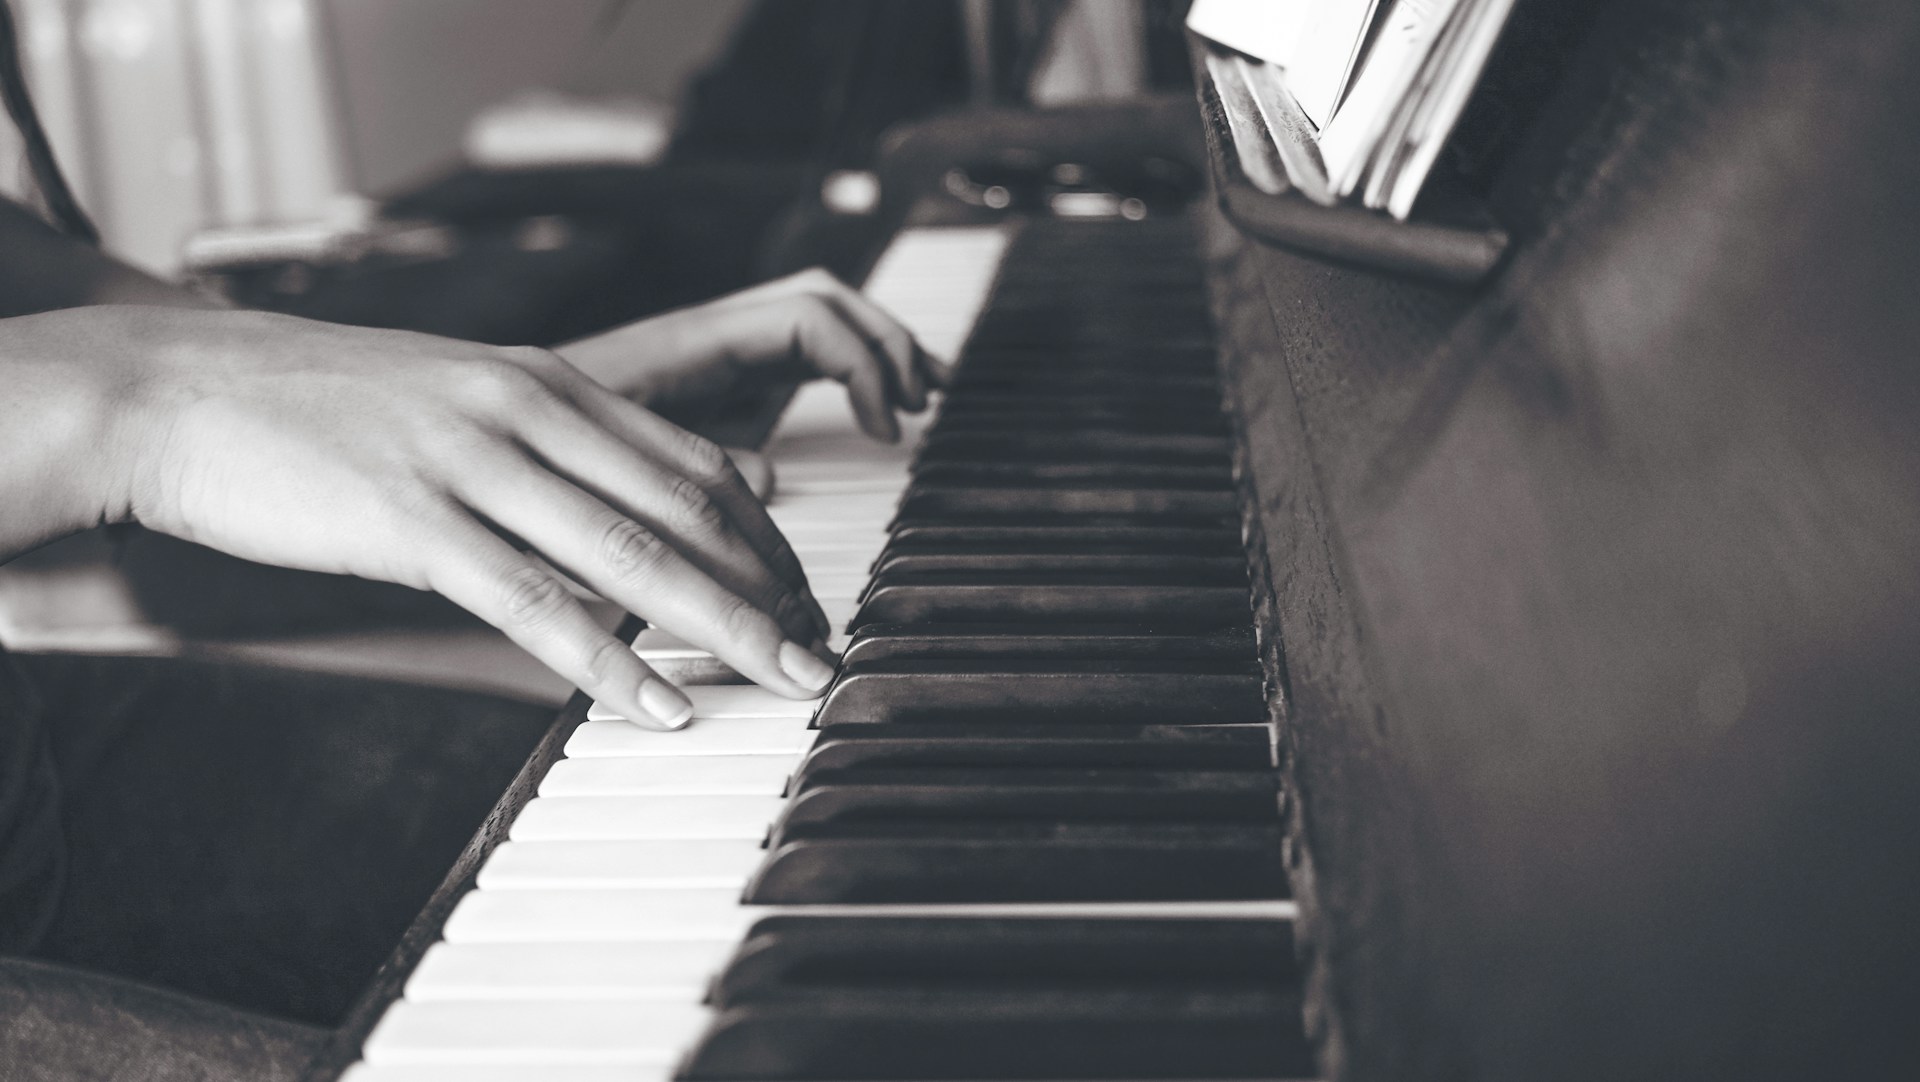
(532,598)
(787,611)
(704,462)
(694,511)
(533,359)
(603,659)
(630,550)
(496,385)
(741,622)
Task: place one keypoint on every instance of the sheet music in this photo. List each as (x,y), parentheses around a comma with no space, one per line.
(1406,40)
(1315,43)
(1324,60)
(1460,62)
(1267,29)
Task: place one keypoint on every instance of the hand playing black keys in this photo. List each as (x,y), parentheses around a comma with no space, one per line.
(800,327)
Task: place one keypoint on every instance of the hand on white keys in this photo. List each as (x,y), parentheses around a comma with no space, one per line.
(422,460)
(802,326)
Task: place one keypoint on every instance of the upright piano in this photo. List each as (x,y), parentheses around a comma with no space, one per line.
(1273,663)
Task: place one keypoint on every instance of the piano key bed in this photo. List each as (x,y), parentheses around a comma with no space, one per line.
(1033,831)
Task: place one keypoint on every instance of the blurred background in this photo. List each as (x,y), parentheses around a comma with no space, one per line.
(499,170)
(175,117)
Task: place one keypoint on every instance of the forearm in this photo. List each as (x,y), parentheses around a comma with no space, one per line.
(42,269)
(55,437)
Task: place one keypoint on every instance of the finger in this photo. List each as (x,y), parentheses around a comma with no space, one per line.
(755,469)
(938,373)
(883,333)
(484,575)
(672,506)
(638,569)
(890,337)
(822,338)
(704,463)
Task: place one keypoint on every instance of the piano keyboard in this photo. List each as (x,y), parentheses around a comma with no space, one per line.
(1033,829)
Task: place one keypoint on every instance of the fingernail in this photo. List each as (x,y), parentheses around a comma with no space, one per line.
(665,704)
(803,668)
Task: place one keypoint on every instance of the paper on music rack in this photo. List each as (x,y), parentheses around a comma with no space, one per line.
(1267,29)
(1460,61)
(1315,43)
(1407,38)
(1329,48)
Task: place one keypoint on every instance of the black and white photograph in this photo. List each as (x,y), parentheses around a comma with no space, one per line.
(959,540)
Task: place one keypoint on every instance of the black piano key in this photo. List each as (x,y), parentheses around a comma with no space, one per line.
(1116,444)
(1208,537)
(1171,1033)
(1246,746)
(1173,601)
(988,565)
(1065,383)
(1141,474)
(1197,397)
(1031,641)
(940,861)
(896,794)
(1012,499)
(1111,692)
(783,956)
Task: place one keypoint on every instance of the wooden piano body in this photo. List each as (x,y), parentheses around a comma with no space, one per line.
(1597,588)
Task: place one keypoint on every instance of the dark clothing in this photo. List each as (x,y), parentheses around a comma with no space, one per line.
(254,838)
(31,848)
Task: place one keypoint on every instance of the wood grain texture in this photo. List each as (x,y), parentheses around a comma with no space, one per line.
(1598,588)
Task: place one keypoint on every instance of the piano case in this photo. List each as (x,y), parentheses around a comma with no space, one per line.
(1594,584)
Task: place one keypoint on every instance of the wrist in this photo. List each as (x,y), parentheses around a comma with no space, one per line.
(60,442)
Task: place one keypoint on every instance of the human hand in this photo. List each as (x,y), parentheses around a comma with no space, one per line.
(800,327)
(414,459)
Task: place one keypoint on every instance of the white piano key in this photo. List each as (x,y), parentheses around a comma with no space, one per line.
(475,1072)
(565,940)
(870,519)
(640,818)
(831,543)
(595,916)
(718,775)
(826,476)
(746,701)
(840,612)
(655,644)
(535,1032)
(847,583)
(661,863)
(737,736)
(675,971)
(728,702)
